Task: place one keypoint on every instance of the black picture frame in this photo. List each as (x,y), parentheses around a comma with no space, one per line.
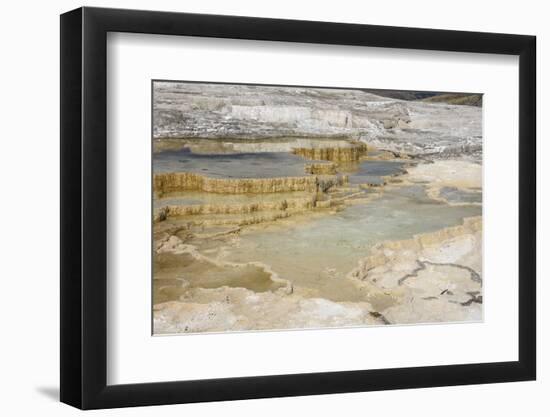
(84,207)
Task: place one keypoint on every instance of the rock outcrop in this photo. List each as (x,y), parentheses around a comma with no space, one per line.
(187,181)
(301,204)
(241,112)
(321,169)
(350,153)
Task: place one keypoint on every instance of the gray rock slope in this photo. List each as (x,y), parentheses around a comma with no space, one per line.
(201,110)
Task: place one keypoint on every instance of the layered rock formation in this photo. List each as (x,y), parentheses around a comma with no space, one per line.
(187,110)
(303,203)
(351,153)
(321,169)
(311,194)
(187,181)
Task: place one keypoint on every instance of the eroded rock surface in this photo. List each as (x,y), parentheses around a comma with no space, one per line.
(434,277)
(450,181)
(238,309)
(186,110)
(187,181)
(351,153)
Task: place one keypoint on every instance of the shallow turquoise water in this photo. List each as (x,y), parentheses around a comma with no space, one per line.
(263,165)
(455,195)
(371,171)
(319,252)
(316,253)
(237,165)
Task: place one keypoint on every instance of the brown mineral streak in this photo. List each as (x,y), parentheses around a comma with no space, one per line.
(187,181)
(338,154)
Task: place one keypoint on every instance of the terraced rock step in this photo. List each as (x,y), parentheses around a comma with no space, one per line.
(238,219)
(321,168)
(187,181)
(304,203)
(351,153)
(257,211)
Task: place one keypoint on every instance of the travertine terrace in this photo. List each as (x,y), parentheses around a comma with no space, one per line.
(294,207)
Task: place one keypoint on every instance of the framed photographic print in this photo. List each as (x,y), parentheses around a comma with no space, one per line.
(257,207)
